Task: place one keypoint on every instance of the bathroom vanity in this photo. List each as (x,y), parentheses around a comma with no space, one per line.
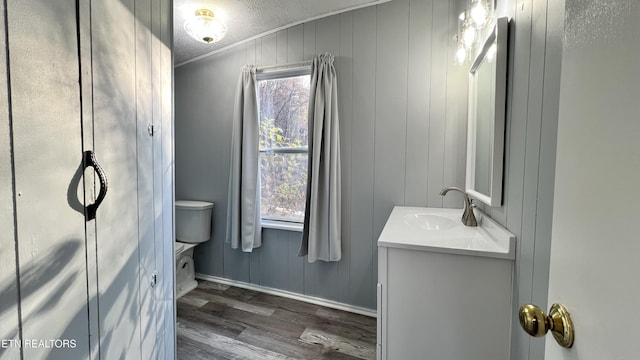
(444,289)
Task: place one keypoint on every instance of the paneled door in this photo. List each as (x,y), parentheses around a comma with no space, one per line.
(86,80)
(594,251)
(44,292)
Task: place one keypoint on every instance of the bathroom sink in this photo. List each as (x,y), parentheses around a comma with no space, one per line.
(430,222)
(441,230)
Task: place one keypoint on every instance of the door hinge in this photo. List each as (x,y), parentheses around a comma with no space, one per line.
(151,129)
(154,279)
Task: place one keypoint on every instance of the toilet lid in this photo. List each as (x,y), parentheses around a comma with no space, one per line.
(193,205)
(178,246)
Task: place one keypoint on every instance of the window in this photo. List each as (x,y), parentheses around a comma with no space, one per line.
(283,104)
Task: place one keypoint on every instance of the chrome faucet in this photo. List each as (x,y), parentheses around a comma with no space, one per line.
(468,217)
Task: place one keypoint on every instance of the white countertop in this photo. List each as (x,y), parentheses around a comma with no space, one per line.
(407,228)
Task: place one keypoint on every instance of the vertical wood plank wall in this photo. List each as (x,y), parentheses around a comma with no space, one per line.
(9,315)
(530,151)
(403,122)
(115,143)
(163,165)
(146,180)
(132,89)
(47,152)
(392,95)
(50,257)
(90,178)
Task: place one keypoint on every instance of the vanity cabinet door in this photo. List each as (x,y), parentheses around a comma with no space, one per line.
(444,306)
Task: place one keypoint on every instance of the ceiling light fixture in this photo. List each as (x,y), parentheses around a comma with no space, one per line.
(204,27)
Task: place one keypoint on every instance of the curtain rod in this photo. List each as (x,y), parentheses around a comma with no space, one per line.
(284,66)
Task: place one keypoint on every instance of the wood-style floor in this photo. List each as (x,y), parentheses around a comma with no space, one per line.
(218,321)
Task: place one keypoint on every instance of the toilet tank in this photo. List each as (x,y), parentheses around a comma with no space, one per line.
(193,221)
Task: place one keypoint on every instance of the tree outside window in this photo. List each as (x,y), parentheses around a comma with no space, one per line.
(284,140)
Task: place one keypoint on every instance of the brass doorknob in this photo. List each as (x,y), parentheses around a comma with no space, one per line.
(536,323)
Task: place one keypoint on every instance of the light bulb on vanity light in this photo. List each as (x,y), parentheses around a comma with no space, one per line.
(461,55)
(466,33)
(469,36)
(480,12)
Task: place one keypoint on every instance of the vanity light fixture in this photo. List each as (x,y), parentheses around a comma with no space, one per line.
(471,22)
(204,27)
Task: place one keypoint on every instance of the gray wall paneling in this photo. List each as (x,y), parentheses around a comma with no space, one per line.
(532,152)
(403,137)
(385,107)
(547,167)
(520,44)
(9,315)
(196,124)
(418,95)
(157,208)
(132,89)
(362,162)
(390,109)
(51,251)
(392,51)
(145,179)
(455,146)
(162,68)
(89,176)
(114,76)
(437,103)
(345,88)
(63,267)
(51,259)
(532,116)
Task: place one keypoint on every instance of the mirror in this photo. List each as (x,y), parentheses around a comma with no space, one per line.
(486,116)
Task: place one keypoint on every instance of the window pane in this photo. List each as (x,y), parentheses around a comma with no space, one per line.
(283,185)
(284,103)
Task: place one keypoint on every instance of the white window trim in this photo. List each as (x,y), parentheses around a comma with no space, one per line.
(282,225)
(286,150)
(282,73)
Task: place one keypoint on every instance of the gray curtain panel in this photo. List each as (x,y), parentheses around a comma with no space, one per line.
(244,229)
(321,238)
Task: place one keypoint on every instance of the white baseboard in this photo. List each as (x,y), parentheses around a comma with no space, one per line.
(291,295)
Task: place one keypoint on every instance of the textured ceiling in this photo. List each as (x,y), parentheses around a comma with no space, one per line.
(248,18)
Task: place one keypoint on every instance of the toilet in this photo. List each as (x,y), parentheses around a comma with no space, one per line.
(193,227)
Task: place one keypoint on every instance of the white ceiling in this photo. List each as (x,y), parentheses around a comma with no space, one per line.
(248,18)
